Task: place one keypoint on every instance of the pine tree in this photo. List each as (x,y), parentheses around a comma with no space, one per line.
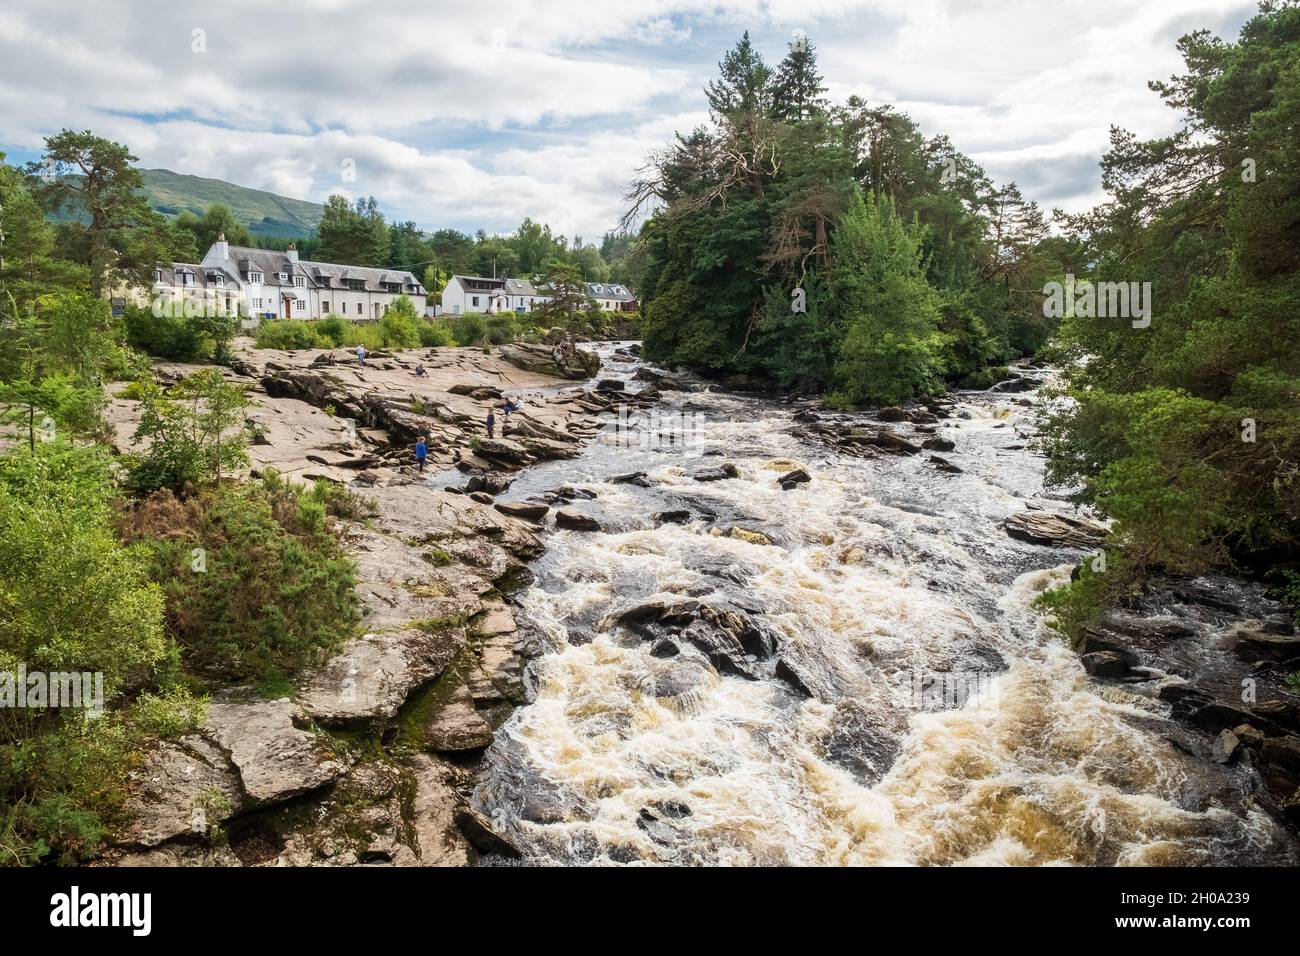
(797,89)
(745,82)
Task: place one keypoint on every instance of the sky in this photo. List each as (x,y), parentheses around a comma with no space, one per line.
(475,114)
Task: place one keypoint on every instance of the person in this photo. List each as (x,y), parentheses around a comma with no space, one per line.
(361,354)
(491,424)
(420,371)
(511,406)
(421,452)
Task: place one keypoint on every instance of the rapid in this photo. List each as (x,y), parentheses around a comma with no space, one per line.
(924,715)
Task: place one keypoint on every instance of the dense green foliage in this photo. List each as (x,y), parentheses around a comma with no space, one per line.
(832,248)
(87,584)
(1187,431)
(269,591)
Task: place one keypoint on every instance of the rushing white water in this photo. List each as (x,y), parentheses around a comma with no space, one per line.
(888,581)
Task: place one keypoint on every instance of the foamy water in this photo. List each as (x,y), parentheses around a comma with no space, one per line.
(884,577)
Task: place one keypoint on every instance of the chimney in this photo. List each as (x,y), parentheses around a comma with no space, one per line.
(220,250)
(293,252)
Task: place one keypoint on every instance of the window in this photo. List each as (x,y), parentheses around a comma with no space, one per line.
(359,308)
(300,282)
(473,300)
(299,305)
(257,303)
(255,278)
(284,277)
(325,307)
(157,275)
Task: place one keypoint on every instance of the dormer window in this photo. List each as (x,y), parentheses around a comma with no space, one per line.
(284,277)
(255,278)
(300,282)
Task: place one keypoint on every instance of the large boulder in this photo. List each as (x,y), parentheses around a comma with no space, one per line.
(571,364)
(181,787)
(373,675)
(1055,529)
(275,759)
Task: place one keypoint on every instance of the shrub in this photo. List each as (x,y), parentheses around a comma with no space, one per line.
(399,330)
(469,329)
(435,334)
(367,335)
(291,334)
(275,592)
(333,327)
(195,432)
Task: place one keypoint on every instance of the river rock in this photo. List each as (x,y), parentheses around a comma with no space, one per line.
(374,674)
(180,787)
(1278,647)
(573,521)
(1105,664)
(716,474)
(481,392)
(528,511)
(453,724)
(275,759)
(893,444)
(944,465)
(1055,529)
(792,479)
(479,831)
(672,517)
(573,364)
(938,444)
(1224,748)
(503,450)
(632,478)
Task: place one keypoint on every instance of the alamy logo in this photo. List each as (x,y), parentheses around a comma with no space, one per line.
(1101,300)
(103,909)
(61,689)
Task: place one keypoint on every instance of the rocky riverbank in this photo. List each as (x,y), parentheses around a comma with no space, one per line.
(368,761)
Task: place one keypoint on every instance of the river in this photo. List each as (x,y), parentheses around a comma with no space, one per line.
(938,723)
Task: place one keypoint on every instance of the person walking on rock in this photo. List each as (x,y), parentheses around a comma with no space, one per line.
(421,452)
(361,354)
(491,424)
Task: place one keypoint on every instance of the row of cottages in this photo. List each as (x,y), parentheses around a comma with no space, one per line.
(266,284)
(477,294)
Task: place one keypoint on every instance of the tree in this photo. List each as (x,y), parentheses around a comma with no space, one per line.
(1186,431)
(569,303)
(27,265)
(797,88)
(354,236)
(890,349)
(194,432)
(93,179)
(744,83)
(217,221)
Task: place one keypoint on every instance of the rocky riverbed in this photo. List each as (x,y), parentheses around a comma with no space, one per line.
(364,764)
(772,633)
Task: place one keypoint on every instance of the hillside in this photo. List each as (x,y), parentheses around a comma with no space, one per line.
(265,214)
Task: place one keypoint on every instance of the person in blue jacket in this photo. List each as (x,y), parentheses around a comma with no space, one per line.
(421,452)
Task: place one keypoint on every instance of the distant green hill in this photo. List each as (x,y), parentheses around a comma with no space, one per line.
(265,214)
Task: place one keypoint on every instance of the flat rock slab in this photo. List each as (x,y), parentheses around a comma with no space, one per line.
(372,676)
(176,790)
(275,759)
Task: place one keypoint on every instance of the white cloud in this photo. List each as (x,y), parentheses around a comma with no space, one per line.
(476,113)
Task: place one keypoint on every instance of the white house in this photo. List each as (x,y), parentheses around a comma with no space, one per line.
(478,294)
(267,284)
